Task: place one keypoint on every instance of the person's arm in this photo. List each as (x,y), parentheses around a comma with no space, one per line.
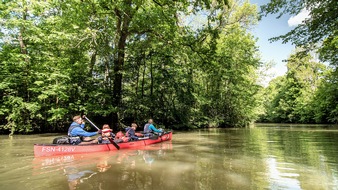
(152,127)
(80,132)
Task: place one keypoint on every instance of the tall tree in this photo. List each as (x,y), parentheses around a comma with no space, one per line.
(292,95)
(325,103)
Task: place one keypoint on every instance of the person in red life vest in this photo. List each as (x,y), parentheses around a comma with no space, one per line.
(130,132)
(107,133)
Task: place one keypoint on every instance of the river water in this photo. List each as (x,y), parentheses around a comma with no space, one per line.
(260,157)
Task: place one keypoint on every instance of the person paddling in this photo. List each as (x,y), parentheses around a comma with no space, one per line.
(130,132)
(77,133)
(150,129)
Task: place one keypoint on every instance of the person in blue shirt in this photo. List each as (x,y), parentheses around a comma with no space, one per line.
(76,129)
(130,132)
(150,129)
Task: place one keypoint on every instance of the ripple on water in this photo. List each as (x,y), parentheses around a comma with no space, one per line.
(256,158)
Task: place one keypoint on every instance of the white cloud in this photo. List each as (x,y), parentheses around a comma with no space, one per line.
(270,71)
(298,19)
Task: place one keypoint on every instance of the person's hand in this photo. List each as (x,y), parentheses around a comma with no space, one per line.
(99,131)
(84,116)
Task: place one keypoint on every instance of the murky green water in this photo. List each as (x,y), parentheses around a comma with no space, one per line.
(263,157)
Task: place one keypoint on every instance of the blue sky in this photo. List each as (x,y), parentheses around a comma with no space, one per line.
(270,27)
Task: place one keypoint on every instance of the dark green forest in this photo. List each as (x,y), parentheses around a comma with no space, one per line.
(186,64)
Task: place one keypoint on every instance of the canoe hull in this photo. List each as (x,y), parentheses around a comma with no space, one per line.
(54,149)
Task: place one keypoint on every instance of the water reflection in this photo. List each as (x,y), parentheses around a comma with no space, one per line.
(81,170)
(299,157)
(75,176)
(281,177)
(263,158)
(284,175)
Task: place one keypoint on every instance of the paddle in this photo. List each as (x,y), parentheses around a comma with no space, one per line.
(111,140)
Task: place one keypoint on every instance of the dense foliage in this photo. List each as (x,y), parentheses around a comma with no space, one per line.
(308,93)
(297,96)
(184,63)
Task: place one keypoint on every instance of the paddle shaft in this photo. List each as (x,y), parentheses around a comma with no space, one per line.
(111,140)
(91,122)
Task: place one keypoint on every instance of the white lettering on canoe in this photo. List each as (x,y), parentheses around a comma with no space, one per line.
(58,149)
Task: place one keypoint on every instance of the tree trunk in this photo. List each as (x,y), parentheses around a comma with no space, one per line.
(123,21)
(151,79)
(24,51)
(143,74)
(92,63)
(25,117)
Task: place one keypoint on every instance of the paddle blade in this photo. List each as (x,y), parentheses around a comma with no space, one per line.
(114,143)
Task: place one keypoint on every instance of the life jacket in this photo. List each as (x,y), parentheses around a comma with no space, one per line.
(73,126)
(107,133)
(127,131)
(146,128)
(107,130)
(121,136)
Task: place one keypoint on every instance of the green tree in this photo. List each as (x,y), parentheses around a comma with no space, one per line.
(290,97)
(127,61)
(270,100)
(325,102)
(17,62)
(320,30)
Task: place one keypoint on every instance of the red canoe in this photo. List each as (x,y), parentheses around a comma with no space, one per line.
(54,149)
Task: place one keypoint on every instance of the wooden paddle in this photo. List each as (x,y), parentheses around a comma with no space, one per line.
(111,140)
